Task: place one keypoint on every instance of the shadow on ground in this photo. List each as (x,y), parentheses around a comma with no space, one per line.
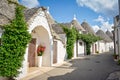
(95,67)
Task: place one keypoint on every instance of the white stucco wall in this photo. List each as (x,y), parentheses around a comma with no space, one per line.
(112,46)
(97,46)
(109,46)
(39,20)
(92,48)
(24,68)
(105,46)
(101,47)
(74,54)
(81,49)
(61,52)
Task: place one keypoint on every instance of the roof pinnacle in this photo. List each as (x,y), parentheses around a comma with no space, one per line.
(74,18)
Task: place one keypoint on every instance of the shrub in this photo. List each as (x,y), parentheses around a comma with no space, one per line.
(119,62)
(97,52)
(14,42)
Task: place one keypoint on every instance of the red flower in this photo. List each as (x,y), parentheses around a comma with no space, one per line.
(40,50)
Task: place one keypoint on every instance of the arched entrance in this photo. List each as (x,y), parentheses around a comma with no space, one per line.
(40,36)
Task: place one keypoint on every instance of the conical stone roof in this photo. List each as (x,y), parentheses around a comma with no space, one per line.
(57,28)
(29,13)
(78,26)
(7,11)
(109,34)
(50,18)
(88,28)
(103,36)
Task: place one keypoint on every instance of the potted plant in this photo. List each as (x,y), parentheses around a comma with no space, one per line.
(97,52)
(115,56)
(40,51)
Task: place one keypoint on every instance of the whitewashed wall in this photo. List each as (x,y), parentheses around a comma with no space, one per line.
(109,46)
(39,20)
(97,45)
(92,48)
(101,47)
(61,52)
(24,68)
(74,54)
(81,48)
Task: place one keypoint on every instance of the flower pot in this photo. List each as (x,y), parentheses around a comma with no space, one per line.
(39,61)
(115,56)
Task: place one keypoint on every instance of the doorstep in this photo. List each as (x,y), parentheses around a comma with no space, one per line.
(36,71)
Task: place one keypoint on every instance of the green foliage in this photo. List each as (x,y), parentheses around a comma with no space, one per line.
(89,39)
(118,62)
(13,1)
(71,39)
(0,41)
(14,43)
(97,52)
(73,35)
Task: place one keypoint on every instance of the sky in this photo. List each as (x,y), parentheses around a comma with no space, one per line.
(98,13)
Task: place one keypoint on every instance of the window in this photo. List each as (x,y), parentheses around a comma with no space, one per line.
(80,43)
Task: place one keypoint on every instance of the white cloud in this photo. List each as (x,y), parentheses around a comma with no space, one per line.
(104,24)
(108,7)
(30,3)
(95,28)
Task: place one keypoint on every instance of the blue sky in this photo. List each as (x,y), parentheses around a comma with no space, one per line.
(98,13)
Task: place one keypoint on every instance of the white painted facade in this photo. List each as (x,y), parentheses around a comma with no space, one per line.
(42,33)
(101,45)
(75,48)
(105,46)
(61,52)
(40,29)
(81,48)
(109,46)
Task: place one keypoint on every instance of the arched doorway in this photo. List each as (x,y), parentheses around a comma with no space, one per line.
(40,36)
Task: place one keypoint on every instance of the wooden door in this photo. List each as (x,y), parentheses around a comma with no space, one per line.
(55,52)
(95,47)
(31,52)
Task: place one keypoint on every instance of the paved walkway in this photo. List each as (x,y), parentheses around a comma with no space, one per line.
(95,67)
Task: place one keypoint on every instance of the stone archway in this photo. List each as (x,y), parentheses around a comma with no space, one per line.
(42,38)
